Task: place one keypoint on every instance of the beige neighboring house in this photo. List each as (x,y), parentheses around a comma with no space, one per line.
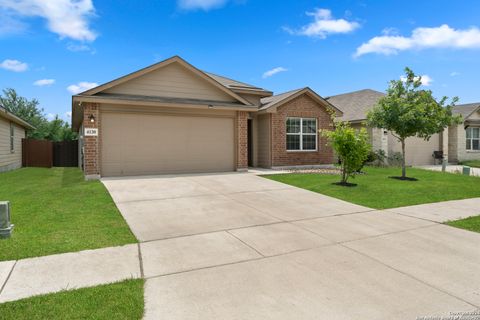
(464,139)
(172,117)
(356,105)
(12,131)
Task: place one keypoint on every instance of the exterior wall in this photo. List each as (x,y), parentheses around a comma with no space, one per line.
(80,148)
(302,106)
(263,140)
(462,153)
(241,129)
(91,161)
(173,81)
(10,160)
(453,144)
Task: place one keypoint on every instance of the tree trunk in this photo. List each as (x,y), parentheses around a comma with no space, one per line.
(344,173)
(404,169)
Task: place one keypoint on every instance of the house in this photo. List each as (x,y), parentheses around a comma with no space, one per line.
(174,118)
(458,143)
(355,107)
(12,131)
(464,139)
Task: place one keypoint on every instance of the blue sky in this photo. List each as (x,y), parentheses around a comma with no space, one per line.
(51,48)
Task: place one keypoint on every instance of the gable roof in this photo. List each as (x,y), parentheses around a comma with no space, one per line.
(276,101)
(355,105)
(238,86)
(156,66)
(466,110)
(13,118)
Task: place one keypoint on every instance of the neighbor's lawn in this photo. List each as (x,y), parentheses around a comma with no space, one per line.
(122,300)
(472,223)
(472,163)
(56,210)
(376,190)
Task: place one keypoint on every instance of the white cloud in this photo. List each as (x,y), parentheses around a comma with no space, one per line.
(51,116)
(44,82)
(454,74)
(67,116)
(426,80)
(67,18)
(14,65)
(201,4)
(269,73)
(422,38)
(75,47)
(81,86)
(324,24)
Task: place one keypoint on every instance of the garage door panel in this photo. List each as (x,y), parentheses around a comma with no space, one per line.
(134,144)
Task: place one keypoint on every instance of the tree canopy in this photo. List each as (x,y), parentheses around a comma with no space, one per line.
(29,110)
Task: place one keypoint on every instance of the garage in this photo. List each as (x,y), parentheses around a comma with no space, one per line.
(142,144)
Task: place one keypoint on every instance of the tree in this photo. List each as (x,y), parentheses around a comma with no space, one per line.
(407,111)
(28,110)
(351,146)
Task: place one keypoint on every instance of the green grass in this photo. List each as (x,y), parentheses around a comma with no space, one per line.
(472,163)
(122,300)
(376,190)
(471,223)
(56,210)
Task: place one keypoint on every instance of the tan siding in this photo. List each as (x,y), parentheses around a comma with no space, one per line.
(263,141)
(172,81)
(9,160)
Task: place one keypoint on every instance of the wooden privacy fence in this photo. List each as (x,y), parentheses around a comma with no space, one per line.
(47,154)
(65,154)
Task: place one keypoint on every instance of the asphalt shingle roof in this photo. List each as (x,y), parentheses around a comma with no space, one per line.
(465,109)
(355,105)
(270,101)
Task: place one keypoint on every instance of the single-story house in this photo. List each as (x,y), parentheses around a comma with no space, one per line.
(458,143)
(174,118)
(464,139)
(12,131)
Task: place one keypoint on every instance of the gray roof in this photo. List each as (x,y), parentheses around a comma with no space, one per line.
(466,109)
(10,116)
(270,101)
(233,84)
(355,105)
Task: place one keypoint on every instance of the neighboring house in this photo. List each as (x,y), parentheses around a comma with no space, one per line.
(355,107)
(173,118)
(12,131)
(464,139)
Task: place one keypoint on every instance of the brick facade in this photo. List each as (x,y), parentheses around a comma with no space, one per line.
(91,144)
(302,106)
(241,124)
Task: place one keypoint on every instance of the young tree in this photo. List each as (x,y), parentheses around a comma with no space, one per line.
(407,111)
(351,147)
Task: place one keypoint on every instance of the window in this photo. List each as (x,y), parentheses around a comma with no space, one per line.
(301,134)
(12,137)
(473,138)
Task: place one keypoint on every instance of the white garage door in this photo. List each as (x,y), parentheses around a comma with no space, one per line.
(139,144)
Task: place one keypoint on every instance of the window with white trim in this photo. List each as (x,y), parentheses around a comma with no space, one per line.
(473,138)
(12,137)
(301,134)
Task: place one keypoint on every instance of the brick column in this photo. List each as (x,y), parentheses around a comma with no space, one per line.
(242,140)
(91,143)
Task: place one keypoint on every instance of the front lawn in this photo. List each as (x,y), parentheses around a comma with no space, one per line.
(472,163)
(471,223)
(376,190)
(122,300)
(56,210)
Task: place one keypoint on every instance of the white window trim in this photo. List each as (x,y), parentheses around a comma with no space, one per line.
(12,137)
(471,140)
(301,134)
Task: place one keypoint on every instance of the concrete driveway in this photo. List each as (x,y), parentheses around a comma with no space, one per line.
(238,246)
